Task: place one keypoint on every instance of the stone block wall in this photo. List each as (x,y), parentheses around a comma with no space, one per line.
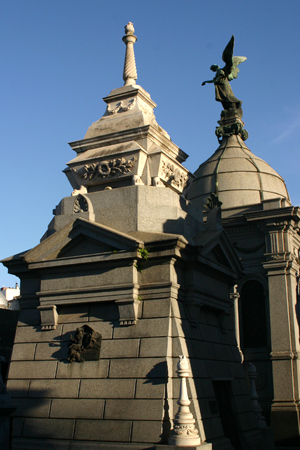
(118,398)
(130,395)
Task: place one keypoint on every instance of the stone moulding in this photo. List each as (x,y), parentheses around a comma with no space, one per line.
(128,313)
(105,169)
(125,296)
(133,134)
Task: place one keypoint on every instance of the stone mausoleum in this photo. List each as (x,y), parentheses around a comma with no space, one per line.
(131,276)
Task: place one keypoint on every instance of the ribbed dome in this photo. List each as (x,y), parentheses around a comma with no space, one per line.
(236,176)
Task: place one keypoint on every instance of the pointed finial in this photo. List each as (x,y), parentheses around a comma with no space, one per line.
(184,433)
(130,73)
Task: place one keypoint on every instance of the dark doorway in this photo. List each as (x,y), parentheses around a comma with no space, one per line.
(223,396)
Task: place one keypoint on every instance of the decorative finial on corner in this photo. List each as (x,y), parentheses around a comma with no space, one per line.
(184,433)
(130,73)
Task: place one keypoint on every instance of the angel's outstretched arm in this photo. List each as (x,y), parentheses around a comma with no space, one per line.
(209,81)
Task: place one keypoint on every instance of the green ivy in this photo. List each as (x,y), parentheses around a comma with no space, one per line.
(144,255)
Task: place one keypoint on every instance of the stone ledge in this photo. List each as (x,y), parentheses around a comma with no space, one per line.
(204,446)
(47,444)
(55,444)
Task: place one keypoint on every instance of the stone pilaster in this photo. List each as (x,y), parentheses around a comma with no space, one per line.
(282,267)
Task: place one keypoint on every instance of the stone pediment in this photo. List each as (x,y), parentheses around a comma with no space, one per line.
(81,237)
(216,247)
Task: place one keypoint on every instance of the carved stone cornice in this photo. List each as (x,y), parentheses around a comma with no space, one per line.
(125,296)
(133,134)
(278,263)
(275,216)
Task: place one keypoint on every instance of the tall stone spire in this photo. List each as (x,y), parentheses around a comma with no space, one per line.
(130,73)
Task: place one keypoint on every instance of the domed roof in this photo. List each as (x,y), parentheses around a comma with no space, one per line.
(236,176)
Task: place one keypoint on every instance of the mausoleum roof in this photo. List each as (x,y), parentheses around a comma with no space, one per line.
(237,177)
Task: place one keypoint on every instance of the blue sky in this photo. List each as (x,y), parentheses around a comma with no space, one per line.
(60,57)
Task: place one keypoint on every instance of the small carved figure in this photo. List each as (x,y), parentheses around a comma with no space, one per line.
(223,76)
(85,345)
(76,348)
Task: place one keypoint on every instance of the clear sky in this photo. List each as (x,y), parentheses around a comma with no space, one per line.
(60,57)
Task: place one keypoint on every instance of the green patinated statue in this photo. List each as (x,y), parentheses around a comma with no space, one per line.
(230,71)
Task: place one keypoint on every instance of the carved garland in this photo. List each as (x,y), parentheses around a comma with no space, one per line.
(105,169)
(120,107)
(173,175)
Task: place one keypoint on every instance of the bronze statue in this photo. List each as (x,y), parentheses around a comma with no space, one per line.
(230,71)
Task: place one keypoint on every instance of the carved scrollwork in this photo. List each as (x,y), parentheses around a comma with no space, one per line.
(174,176)
(105,169)
(120,107)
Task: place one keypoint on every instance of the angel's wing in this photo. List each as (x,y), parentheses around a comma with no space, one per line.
(236,60)
(227,56)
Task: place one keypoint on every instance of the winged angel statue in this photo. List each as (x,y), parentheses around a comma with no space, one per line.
(230,71)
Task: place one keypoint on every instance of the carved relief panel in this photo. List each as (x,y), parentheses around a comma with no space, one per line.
(85,345)
(95,172)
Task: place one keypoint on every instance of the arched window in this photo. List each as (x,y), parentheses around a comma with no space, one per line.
(253,320)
